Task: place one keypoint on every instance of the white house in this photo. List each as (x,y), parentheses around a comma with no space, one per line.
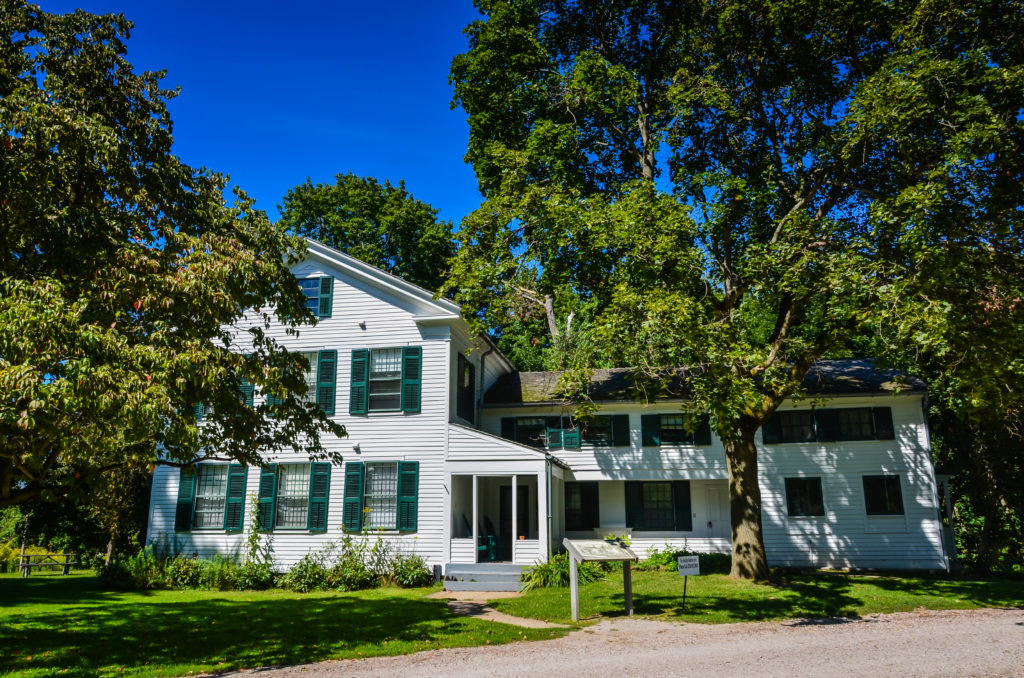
(458,457)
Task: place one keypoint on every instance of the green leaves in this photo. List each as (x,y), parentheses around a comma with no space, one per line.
(122,275)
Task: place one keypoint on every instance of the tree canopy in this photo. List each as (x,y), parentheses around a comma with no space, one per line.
(739,187)
(123,273)
(382,225)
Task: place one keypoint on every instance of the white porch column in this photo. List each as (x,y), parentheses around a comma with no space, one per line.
(515,516)
(476,538)
(542,515)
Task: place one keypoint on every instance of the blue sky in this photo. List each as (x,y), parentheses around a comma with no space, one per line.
(275,93)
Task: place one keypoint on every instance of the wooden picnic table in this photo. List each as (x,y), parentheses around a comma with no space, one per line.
(61,560)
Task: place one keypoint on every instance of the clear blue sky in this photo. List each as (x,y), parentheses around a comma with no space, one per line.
(272,93)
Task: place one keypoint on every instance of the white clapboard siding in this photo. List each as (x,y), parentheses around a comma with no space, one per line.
(845,537)
(363,316)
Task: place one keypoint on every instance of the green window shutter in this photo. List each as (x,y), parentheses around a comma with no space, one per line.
(198,411)
(267,498)
(508,428)
(620,430)
(408,495)
(186,498)
(326,375)
(319,488)
(681,500)
(352,508)
(702,434)
(882,417)
(827,425)
(771,432)
(553,434)
(634,504)
(412,365)
(359,386)
(571,437)
(326,297)
(248,392)
(234,507)
(650,429)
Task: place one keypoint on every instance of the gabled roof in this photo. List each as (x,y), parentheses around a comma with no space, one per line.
(850,376)
(511,445)
(436,309)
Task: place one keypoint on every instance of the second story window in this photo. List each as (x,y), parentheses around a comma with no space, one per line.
(385,380)
(319,295)
(657,430)
(465,388)
(827,425)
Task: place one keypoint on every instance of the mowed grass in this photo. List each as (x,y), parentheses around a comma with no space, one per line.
(53,625)
(717,599)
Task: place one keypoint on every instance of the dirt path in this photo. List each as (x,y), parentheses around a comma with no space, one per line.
(949,643)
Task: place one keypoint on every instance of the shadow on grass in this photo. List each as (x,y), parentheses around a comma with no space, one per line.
(818,598)
(226,632)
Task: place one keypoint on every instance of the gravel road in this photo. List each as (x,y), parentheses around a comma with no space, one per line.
(927,643)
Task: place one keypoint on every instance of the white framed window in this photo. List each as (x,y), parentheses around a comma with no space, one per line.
(380,495)
(292,496)
(211,494)
(385,379)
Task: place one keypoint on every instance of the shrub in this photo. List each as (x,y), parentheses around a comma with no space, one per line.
(254,577)
(219,573)
(142,571)
(350,574)
(555,573)
(409,571)
(668,558)
(184,573)
(306,575)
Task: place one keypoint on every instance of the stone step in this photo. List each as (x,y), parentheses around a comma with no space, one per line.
(484,576)
(484,568)
(481,586)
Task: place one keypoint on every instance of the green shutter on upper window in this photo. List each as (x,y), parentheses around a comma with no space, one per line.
(412,366)
(186,499)
(198,411)
(352,508)
(326,375)
(570,435)
(620,430)
(319,488)
(358,385)
(554,435)
(408,495)
(650,430)
(771,432)
(326,297)
(267,498)
(234,507)
(702,434)
(248,392)
(881,418)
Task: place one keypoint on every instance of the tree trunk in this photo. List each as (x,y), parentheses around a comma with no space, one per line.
(748,557)
(110,549)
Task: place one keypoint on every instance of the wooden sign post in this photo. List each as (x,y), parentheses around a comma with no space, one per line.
(688,565)
(581,550)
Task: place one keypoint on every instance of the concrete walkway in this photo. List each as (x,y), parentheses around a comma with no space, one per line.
(474,604)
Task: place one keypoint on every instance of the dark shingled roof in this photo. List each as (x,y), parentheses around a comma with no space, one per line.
(826,377)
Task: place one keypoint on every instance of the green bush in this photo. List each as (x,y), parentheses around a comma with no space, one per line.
(350,574)
(555,573)
(306,575)
(143,571)
(219,573)
(184,573)
(254,577)
(667,559)
(409,571)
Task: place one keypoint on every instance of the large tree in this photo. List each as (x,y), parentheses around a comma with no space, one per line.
(735,186)
(383,225)
(122,275)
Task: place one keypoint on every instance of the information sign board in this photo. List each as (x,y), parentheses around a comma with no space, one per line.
(689,565)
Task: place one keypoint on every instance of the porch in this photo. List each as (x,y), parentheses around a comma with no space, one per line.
(498,518)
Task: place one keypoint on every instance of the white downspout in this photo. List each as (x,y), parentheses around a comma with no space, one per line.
(549,508)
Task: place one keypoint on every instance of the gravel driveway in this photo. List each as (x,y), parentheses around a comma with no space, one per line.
(947,643)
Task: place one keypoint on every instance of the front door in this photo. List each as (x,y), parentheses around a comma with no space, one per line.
(718,511)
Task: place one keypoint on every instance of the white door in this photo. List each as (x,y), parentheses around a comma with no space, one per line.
(718,511)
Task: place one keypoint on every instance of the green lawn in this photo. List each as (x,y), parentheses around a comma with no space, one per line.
(70,626)
(716,599)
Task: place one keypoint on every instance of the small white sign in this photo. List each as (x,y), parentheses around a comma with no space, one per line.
(689,565)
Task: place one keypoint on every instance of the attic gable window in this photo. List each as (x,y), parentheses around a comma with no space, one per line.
(319,295)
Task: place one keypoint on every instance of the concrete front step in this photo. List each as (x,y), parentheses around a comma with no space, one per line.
(482,576)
